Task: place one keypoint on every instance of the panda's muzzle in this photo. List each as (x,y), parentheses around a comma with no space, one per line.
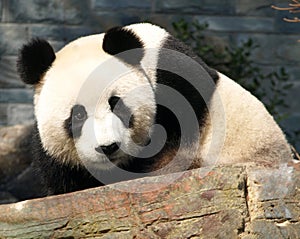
(108,149)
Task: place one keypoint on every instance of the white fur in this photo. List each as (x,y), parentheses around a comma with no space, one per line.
(250,132)
(152,46)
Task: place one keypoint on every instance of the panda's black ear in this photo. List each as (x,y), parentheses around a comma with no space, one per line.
(34,59)
(119,40)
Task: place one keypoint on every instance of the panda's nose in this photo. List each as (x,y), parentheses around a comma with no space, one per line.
(108,149)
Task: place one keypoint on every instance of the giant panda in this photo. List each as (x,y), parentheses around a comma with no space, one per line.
(135,99)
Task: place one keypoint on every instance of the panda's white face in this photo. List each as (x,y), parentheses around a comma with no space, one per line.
(117,124)
(92,108)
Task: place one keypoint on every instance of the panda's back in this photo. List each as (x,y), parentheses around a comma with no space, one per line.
(241,129)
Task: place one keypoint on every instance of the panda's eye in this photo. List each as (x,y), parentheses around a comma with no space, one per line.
(73,125)
(79,114)
(113,102)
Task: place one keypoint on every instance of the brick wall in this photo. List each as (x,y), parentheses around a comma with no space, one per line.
(61,21)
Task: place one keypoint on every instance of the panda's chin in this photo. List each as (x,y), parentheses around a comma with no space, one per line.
(99,165)
(102,162)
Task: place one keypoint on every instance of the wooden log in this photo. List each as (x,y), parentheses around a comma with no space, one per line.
(197,203)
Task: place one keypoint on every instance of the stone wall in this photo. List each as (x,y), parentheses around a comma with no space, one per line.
(61,21)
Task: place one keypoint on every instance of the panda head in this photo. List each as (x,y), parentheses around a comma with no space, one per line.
(93,104)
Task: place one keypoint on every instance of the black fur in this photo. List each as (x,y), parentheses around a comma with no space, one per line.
(120,109)
(57,177)
(73,125)
(173,43)
(34,59)
(185,87)
(197,88)
(118,40)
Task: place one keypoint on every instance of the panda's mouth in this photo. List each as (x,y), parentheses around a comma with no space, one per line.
(111,155)
(116,157)
(113,158)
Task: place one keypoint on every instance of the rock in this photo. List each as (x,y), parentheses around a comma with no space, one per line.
(14,157)
(54,12)
(224,202)
(193,203)
(209,7)
(17,178)
(273,202)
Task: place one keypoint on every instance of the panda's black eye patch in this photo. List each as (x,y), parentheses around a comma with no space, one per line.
(74,123)
(113,101)
(118,107)
(78,114)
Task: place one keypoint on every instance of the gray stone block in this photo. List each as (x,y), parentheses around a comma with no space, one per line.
(262,55)
(9,77)
(16,96)
(292,125)
(292,122)
(255,8)
(54,11)
(107,20)
(47,32)
(20,114)
(60,33)
(226,7)
(12,114)
(166,20)
(287,48)
(293,100)
(76,12)
(35,11)
(12,38)
(294,72)
(237,24)
(122,4)
(274,49)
